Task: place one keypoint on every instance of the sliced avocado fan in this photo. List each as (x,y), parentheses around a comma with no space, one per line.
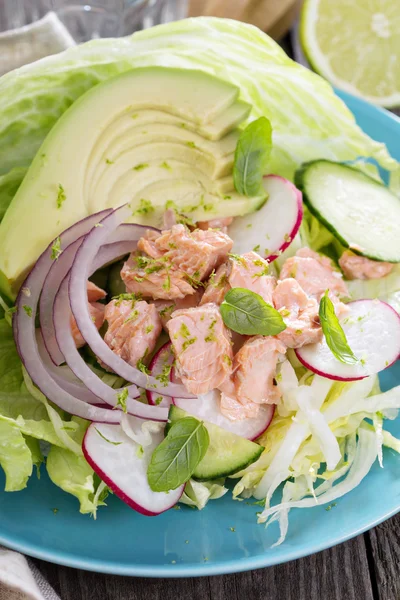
(152,137)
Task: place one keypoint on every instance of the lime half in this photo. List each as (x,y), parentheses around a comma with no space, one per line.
(355,44)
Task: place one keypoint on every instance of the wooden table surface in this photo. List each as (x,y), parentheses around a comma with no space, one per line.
(365,568)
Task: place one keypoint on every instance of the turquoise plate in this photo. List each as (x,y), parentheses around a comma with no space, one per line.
(185,542)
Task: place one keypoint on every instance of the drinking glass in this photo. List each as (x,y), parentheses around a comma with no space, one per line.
(89,19)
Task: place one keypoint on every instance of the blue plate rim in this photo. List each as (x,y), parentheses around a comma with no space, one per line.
(365,104)
(204,569)
(189,570)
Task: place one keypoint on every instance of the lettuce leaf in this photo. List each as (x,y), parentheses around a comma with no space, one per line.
(9,184)
(386,288)
(72,473)
(40,430)
(36,453)
(308,120)
(15,458)
(24,411)
(313,234)
(60,428)
(198,493)
(25,418)
(15,399)
(27,410)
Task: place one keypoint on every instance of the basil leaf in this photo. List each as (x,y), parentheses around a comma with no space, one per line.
(334,335)
(252,154)
(176,458)
(246,312)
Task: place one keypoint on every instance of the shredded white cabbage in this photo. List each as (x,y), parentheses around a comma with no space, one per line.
(377,420)
(138,430)
(198,493)
(279,469)
(318,434)
(319,427)
(364,457)
(288,385)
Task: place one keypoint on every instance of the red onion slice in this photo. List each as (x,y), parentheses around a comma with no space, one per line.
(84,373)
(164,357)
(123,242)
(65,377)
(77,292)
(107,253)
(51,285)
(25,335)
(124,232)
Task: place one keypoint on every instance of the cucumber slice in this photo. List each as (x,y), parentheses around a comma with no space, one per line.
(360,212)
(227,453)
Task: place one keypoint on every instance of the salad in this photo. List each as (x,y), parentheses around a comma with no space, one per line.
(199,276)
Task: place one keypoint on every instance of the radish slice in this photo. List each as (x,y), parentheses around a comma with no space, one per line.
(117,461)
(271,229)
(163,358)
(85,256)
(373,332)
(207,407)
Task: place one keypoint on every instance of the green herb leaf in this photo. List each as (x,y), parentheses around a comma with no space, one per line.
(167,310)
(61,196)
(122,397)
(56,249)
(164,376)
(27,309)
(107,440)
(8,311)
(333,332)
(251,157)
(145,207)
(246,312)
(131,297)
(142,367)
(176,458)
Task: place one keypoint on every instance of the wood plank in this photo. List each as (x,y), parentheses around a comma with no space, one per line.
(335,574)
(385,550)
(273,16)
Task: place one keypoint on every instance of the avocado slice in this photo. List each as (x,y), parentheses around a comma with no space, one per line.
(226,121)
(155,170)
(132,122)
(137,160)
(94,158)
(190,199)
(226,454)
